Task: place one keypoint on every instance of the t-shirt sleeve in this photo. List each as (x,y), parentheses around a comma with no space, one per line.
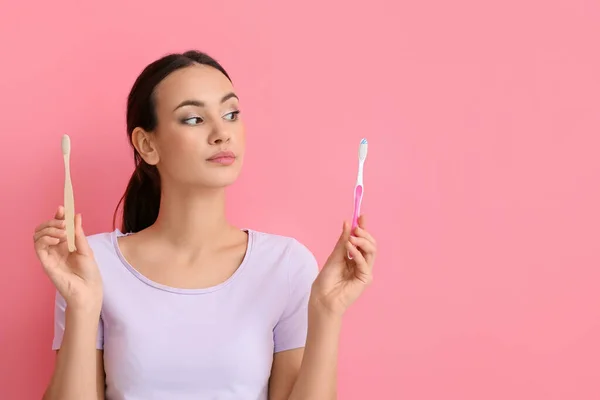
(60,307)
(291,329)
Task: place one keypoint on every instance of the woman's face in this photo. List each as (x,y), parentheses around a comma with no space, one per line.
(199,139)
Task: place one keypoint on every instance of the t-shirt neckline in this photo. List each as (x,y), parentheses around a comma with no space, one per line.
(117,233)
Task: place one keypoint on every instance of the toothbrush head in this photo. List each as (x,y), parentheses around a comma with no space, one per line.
(362,150)
(66,145)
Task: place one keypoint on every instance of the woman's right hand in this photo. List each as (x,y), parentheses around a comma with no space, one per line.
(75,275)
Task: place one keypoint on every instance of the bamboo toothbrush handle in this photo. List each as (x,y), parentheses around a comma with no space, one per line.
(69,207)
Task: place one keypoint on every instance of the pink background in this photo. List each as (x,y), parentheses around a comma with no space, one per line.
(482,182)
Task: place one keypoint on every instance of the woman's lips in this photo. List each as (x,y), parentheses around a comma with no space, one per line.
(223,158)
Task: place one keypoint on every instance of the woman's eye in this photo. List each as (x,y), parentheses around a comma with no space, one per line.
(232,116)
(192,121)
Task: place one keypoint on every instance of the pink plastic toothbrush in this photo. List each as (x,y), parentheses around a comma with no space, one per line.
(359,189)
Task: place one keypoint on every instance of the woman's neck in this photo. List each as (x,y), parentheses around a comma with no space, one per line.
(192,218)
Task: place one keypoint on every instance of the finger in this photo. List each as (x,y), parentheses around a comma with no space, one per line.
(54,223)
(42,246)
(361,221)
(362,271)
(60,213)
(50,231)
(361,232)
(367,249)
(340,245)
(81,243)
(46,241)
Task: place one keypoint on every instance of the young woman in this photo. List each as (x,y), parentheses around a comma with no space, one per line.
(179,304)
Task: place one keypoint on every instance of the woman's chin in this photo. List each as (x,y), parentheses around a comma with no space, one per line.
(222,181)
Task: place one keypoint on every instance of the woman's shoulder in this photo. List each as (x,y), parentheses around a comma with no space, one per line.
(102,241)
(278,242)
(105,248)
(282,247)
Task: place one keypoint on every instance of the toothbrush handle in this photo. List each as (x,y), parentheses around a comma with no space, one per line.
(69,204)
(358,195)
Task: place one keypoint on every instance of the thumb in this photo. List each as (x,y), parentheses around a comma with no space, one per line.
(81,243)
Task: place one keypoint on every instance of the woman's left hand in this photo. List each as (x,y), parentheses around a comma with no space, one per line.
(342,280)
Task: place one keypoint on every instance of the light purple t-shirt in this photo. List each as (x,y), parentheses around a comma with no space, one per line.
(216,343)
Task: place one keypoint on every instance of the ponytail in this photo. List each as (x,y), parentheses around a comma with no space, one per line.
(141,200)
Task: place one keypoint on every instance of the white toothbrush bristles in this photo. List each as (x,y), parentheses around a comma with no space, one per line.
(362,149)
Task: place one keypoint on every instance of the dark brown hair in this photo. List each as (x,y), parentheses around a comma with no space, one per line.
(141,200)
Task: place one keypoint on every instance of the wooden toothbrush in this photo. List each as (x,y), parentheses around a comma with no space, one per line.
(69,199)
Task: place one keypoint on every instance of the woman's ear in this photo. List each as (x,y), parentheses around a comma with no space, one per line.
(143,143)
